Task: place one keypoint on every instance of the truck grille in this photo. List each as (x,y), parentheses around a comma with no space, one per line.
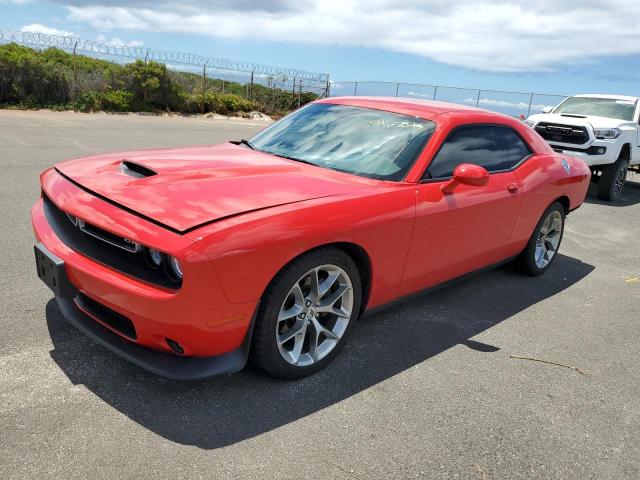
(554,132)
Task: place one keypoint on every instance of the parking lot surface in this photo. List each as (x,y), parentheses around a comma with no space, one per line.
(449,385)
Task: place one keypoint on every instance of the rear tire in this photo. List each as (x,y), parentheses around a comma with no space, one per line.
(302,323)
(543,246)
(612,180)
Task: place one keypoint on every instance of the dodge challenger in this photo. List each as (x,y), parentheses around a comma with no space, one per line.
(190,261)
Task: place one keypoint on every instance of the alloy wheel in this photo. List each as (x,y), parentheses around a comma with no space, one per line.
(314,315)
(548,239)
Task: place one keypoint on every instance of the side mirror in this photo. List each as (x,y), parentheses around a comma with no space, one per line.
(547,109)
(466,174)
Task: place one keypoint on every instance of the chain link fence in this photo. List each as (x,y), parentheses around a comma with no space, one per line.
(282,88)
(276,89)
(510,103)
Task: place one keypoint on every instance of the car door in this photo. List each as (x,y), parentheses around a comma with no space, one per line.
(471,227)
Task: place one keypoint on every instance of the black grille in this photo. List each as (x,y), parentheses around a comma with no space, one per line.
(118,322)
(103,235)
(132,263)
(554,132)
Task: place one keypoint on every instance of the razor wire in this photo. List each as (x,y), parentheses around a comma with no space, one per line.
(94,48)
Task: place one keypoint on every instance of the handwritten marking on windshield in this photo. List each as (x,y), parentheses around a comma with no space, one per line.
(388,124)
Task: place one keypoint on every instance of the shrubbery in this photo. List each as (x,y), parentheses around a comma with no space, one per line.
(53,78)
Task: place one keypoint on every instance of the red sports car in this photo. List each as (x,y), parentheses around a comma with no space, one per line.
(187,261)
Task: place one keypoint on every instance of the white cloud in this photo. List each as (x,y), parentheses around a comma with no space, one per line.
(38,28)
(493,103)
(118,42)
(489,35)
(15,2)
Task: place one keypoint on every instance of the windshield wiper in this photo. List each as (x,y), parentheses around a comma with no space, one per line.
(246,142)
(293,158)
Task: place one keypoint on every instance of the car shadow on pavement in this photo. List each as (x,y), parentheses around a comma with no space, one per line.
(630,195)
(222,411)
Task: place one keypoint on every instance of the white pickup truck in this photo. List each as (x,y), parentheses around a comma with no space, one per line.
(603,130)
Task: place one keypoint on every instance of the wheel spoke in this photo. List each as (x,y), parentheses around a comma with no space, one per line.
(314,294)
(297,328)
(545,225)
(327,283)
(314,336)
(549,245)
(341,312)
(320,329)
(296,308)
(298,344)
(326,305)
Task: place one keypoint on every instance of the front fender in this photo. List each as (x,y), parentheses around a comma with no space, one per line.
(248,251)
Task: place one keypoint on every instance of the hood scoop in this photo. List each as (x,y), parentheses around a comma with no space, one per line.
(572,115)
(136,170)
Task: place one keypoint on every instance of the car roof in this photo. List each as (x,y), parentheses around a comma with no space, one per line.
(612,97)
(426,109)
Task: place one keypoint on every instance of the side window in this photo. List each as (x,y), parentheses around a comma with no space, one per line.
(516,149)
(475,144)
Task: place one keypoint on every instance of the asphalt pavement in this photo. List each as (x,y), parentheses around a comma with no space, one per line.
(454,384)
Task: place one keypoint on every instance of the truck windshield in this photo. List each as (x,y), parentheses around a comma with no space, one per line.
(599,107)
(361,141)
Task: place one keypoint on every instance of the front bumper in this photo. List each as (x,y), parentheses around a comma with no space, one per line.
(163,364)
(198,316)
(52,272)
(600,152)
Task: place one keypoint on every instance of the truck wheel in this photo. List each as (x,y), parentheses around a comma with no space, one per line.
(612,180)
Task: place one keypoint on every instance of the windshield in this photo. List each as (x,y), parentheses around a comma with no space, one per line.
(362,141)
(600,107)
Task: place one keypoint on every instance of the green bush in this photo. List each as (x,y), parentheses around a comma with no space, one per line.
(55,79)
(116,101)
(87,102)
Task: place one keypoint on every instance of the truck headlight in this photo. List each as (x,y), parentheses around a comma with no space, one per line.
(607,133)
(531,123)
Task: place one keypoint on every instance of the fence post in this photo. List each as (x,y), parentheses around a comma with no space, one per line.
(293,93)
(251,86)
(478,99)
(530,105)
(146,56)
(299,91)
(204,84)
(75,73)
(397,88)
(435,91)
(328,87)
(355,89)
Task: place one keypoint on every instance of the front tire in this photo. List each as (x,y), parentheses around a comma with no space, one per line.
(543,246)
(612,180)
(306,313)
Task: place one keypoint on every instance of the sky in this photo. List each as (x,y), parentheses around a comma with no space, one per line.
(547,46)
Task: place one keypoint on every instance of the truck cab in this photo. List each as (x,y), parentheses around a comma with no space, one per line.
(603,130)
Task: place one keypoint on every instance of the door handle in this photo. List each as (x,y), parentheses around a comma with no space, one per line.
(512,187)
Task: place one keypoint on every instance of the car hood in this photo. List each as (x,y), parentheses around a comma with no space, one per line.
(594,121)
(184,188)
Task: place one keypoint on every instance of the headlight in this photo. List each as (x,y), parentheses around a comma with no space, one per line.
(531,123)
(607,132)
(154,257)
(174,267)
